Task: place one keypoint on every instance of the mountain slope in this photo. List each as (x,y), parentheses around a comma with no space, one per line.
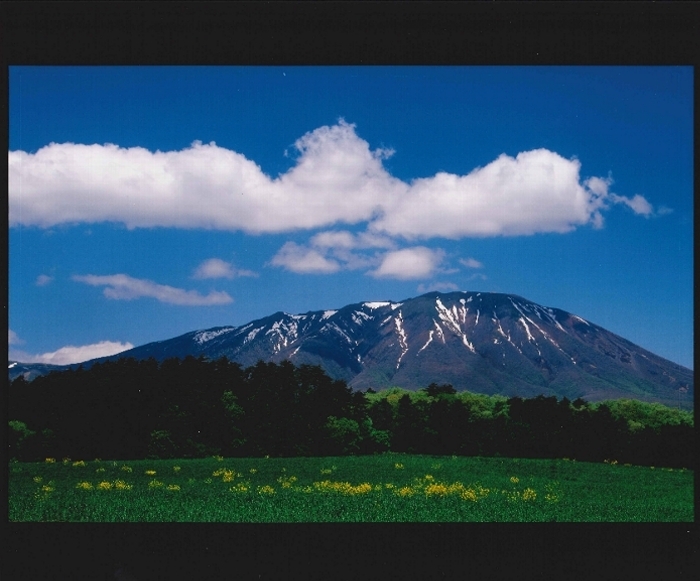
(483,342)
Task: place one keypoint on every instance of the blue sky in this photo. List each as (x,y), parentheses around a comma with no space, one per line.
(146,202)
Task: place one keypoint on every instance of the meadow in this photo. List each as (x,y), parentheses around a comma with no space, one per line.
(387,487)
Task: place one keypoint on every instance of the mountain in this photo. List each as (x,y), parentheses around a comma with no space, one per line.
(31,371)
(484,342)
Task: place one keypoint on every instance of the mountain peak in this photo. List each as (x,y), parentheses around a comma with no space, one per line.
(484,342)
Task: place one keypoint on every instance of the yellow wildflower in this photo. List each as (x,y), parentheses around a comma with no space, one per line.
(469,494)
(47,488)
(436,489)
(266,489)
(363,488)
(37,479)
(287,482)
(176,468)
(66,460)
(100,470)
(105,485)
(127,468)
(84,485)
(79,463)
(406,491)
(155,483)
(514,479)
(173,487)
(529,494)
(150,472)
(121,485)
(50,460)
(398,466)
(253,470)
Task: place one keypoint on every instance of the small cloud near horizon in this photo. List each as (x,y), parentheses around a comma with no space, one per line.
(437,286)
(72,354)
(217,268)
(409,263)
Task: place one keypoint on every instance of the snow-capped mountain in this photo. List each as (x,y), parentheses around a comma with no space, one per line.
(483,342)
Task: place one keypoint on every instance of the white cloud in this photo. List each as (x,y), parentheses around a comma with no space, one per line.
(342,239)
(70,354)
(437,286)
(336,179)
(331,251)
(638,204)
(471,263)
(13,338)
(301,259)
(409,263)
(43,280)
(217,268)
(124,287)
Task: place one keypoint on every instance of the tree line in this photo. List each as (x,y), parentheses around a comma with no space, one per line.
(129,409)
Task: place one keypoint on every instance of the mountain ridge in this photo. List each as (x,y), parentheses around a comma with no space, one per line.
(484,342)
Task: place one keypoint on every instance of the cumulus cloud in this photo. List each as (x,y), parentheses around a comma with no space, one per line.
(409,263)
(71,354)
(124,287)
(437,286)
(336,179)
(338,240)
(217,268)
(331,251)
(301,259)
(13,338)
(470,263)
(43,280)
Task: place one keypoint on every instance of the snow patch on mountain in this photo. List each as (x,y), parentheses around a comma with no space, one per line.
(204,336)
(428,342)
(376,304)
(403,339)
(327,314)
(451,318)
(359,317)
(337,329)
(252,335)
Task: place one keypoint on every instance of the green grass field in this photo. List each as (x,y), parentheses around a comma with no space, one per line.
(381,488)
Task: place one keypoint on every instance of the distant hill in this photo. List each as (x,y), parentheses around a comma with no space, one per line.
(31,371)
(484,342)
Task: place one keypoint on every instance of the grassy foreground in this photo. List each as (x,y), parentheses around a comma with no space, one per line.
(381,488)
